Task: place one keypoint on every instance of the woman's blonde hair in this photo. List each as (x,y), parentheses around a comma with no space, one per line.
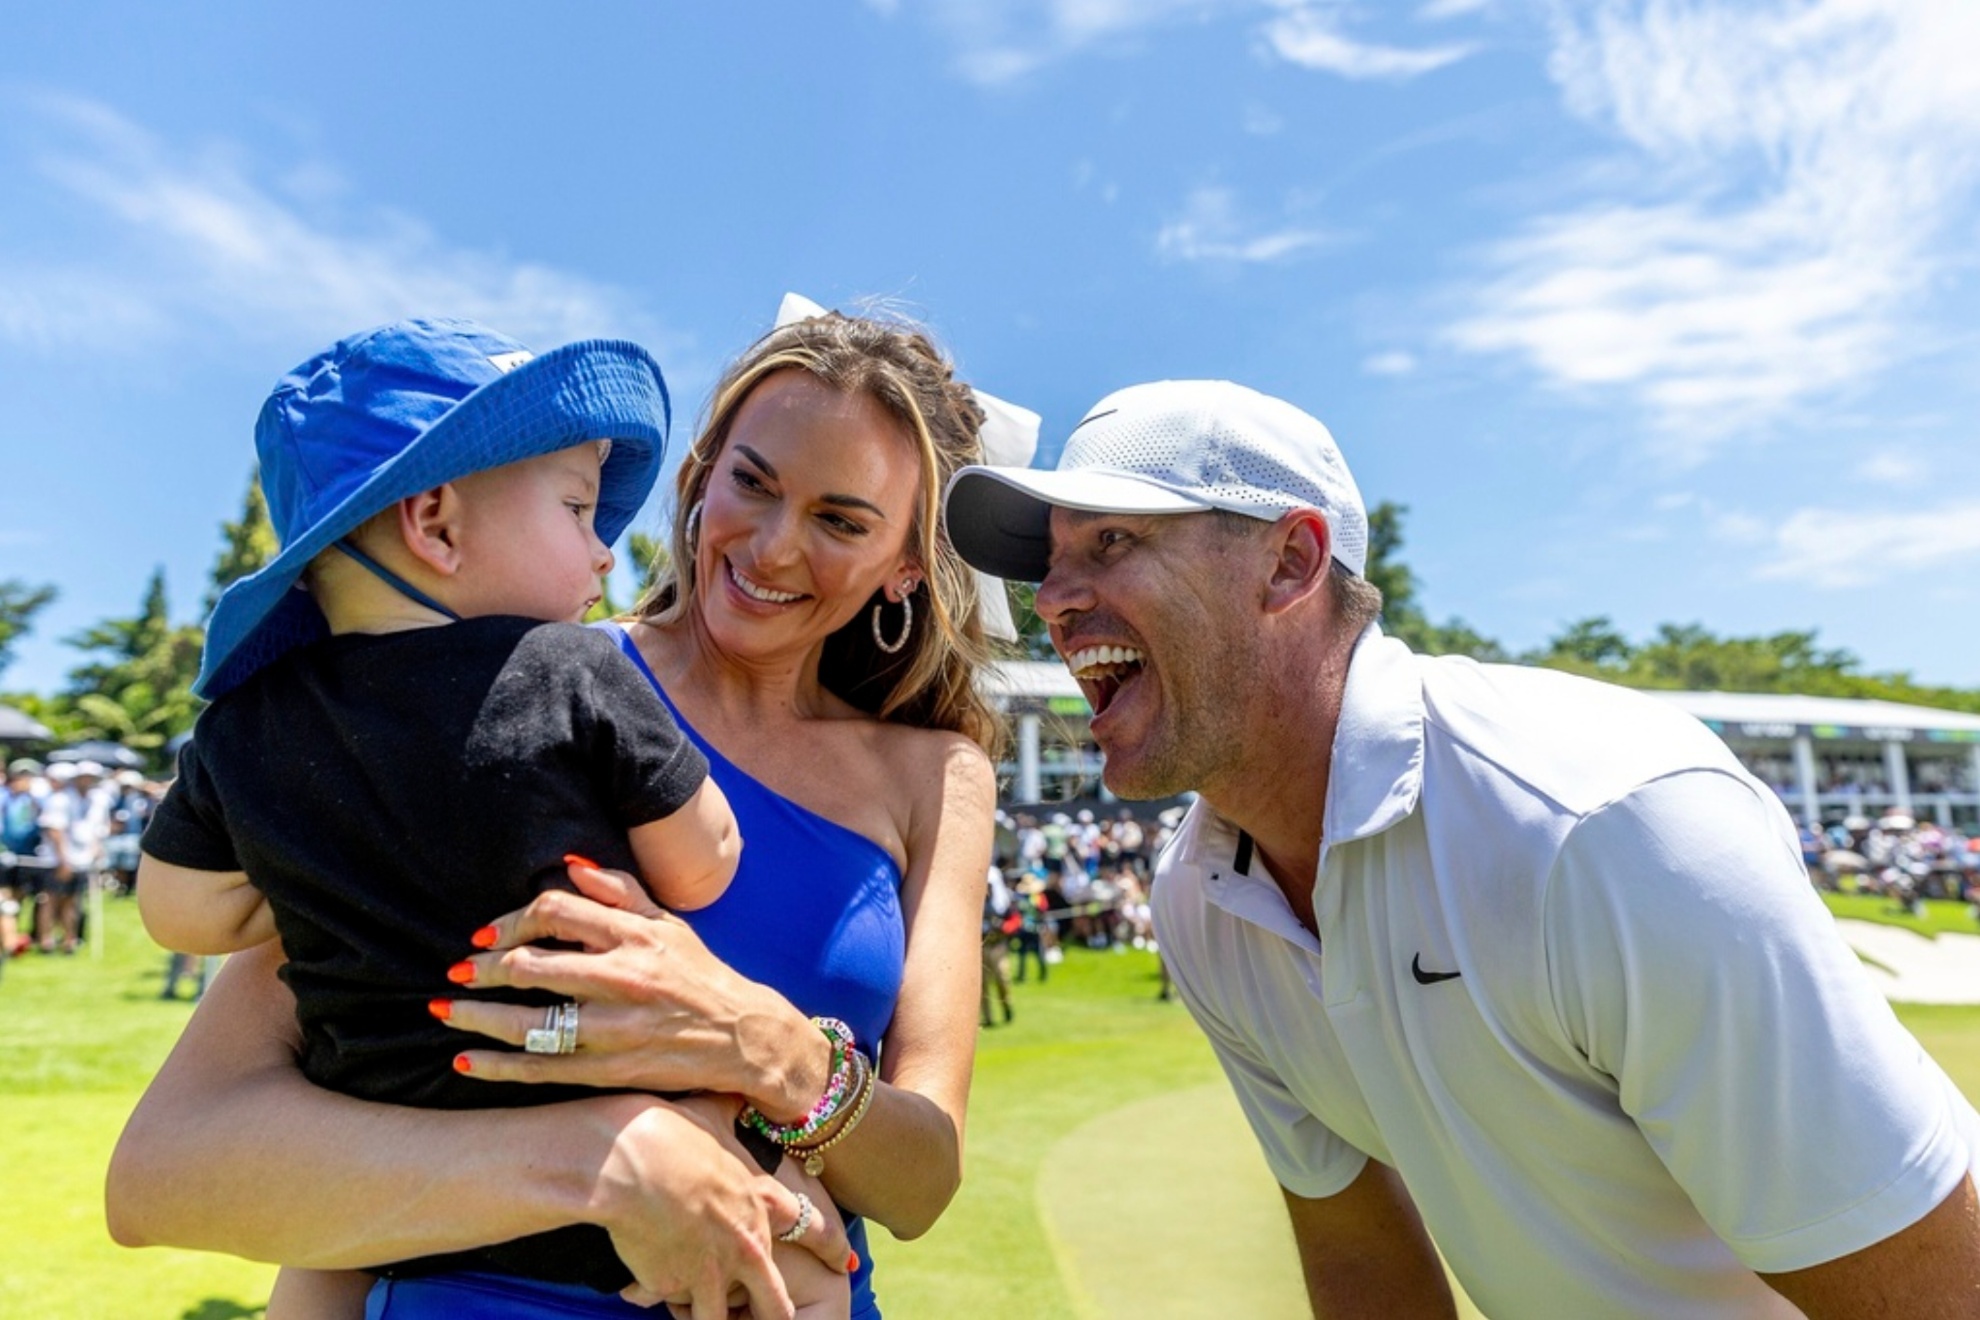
(929,683)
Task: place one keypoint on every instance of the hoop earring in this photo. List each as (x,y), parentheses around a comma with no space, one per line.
(692,524)
(907,626)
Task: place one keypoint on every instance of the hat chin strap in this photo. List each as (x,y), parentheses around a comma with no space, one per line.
(394,581)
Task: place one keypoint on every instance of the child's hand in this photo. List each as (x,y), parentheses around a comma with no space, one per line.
(818,1292)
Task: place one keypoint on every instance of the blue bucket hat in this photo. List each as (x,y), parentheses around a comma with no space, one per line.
(386,414)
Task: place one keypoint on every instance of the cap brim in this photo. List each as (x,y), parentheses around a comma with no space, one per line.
(999,518)
(591,390)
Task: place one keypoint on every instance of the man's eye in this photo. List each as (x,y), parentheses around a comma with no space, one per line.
(1111,538)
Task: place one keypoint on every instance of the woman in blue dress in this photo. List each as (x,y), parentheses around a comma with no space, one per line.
(818,638)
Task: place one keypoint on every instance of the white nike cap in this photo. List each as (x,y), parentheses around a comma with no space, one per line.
(1175,446)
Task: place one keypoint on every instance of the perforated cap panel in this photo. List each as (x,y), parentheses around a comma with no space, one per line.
(1229,448)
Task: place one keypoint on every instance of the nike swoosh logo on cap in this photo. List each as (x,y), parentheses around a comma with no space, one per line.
(1093,417)
(1429,978)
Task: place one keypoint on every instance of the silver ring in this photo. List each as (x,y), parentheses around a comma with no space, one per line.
(806,1210)
(557,1035)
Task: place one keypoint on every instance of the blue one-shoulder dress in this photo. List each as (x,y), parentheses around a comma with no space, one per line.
(814,912)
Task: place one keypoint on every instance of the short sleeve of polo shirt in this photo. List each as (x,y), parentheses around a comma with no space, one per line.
(643,765)
(188,828)
(1305,1155)
(1690,960)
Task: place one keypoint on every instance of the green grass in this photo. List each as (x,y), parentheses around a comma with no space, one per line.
(81,1036)
(1941,914)
(1109,1171)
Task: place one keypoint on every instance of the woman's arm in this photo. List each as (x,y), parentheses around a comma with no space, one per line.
(661,1013)
(229,1128)
(903,1163)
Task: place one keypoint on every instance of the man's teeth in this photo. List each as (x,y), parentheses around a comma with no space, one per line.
(1089,658)
(755,592)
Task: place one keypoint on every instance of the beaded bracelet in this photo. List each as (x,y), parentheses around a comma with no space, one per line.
(838,1089)
(813,1156)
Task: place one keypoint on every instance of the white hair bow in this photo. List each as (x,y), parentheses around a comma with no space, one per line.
(1010,438)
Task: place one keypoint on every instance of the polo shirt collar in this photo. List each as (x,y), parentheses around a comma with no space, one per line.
(1373,783)
(1377,771)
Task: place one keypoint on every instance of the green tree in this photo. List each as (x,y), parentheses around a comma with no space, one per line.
(1689,657)
(19,603)
(137,690)
(245,544)
(1385,568)
(1402,616)
(1590,646)
(647,555)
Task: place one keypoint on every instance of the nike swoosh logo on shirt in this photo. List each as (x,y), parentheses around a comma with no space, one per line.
(1429,978)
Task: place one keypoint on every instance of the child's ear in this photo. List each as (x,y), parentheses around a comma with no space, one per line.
(429,523)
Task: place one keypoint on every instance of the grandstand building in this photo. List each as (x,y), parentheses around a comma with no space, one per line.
(1828,758)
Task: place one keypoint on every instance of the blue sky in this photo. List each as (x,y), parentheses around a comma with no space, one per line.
(1664,310)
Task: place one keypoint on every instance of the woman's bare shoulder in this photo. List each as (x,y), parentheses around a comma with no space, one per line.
(939,754)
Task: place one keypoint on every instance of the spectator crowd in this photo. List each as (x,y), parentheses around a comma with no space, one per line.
(1064,878)
(68,829)
(1897,856)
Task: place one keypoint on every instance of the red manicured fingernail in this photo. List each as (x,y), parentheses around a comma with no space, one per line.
(572,859)
(440,1008)
(461,973)
(462,1063)
(852,1261)
(484,938)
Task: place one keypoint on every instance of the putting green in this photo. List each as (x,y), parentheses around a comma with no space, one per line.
(1164,1208)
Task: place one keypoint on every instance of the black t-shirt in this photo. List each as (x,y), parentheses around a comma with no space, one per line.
(391,794)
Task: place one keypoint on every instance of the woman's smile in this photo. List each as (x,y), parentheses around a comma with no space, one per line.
(756,591)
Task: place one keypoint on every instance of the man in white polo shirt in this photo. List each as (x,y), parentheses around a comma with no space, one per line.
(1523,960)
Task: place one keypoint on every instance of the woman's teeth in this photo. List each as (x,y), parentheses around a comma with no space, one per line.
(764,594)
(1089,660)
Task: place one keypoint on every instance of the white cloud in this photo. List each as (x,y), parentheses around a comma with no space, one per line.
(198,249)
(1311,36)
(1738,528)
(1393,363)
(1891,468)
(1850,548)
(1000,41)
(1796,167)
(1210,229)
(1438,10)
(1261,120)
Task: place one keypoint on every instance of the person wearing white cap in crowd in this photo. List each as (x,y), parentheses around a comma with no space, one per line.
(75,821)
(1520,959)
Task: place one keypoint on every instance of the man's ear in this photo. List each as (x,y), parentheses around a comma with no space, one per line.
(429,524)
(1301,550)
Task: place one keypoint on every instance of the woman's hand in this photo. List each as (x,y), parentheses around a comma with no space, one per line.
(696,1223)
(813,1267)
(658,1011)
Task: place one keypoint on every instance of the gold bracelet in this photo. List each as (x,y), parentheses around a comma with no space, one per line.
(814,1156)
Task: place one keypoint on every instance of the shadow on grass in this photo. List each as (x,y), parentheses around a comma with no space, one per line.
(220,1308)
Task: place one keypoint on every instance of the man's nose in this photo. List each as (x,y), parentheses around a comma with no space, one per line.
(1061,595)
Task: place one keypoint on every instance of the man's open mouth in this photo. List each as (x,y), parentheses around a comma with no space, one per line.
(1103,671)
